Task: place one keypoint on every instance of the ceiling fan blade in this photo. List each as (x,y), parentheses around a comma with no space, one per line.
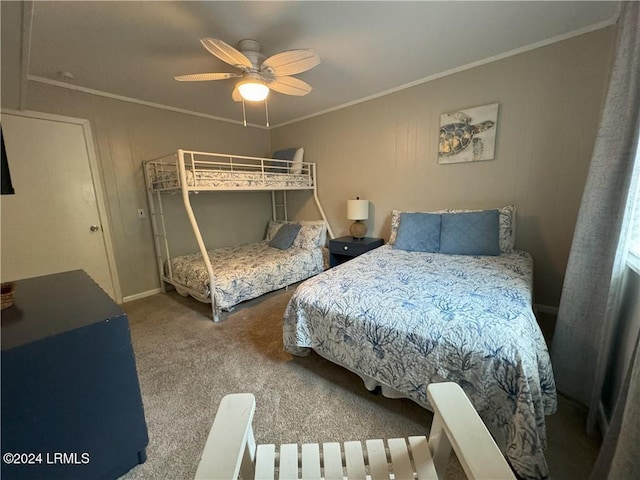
(226,53)
(291,62)
(201,77)
(290,86)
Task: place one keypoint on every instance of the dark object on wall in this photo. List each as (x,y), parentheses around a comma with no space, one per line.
(5,176)
(71,403)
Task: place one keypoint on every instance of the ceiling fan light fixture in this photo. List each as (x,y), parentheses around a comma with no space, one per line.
(259,74)
(253,90)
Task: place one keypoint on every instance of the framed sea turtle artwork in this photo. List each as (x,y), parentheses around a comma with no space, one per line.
(468,135)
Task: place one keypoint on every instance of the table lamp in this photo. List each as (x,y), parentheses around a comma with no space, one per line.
(358,210)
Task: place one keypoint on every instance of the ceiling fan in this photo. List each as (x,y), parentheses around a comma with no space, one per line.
(258,74)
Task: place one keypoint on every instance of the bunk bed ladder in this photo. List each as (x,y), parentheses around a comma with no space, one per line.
(157,237)
(276,207)
(162,237)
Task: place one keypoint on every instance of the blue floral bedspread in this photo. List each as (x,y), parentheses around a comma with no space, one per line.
(243,272)
(407,319)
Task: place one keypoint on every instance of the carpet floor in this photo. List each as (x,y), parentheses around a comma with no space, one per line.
(186,364)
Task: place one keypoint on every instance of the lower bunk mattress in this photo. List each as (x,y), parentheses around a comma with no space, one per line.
(405,319)
(244,272)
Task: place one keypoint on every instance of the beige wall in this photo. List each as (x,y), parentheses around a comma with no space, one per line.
(385,149)
(125,134)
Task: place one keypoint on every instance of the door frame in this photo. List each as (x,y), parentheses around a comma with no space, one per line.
(96,179)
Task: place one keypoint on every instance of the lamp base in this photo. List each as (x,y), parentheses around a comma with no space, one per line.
(358,229)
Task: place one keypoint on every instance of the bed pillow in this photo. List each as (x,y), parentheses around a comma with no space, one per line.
(419,232)
(272,228)
(285,236)
(311,235)
(280,167)
(395,223)
(286,154)
(296,166)
(322,239)
(470,233)
(507,229)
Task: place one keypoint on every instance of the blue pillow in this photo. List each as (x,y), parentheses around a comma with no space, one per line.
(280,167)
(286,154)
(419,232)
(285,236)
(470,233)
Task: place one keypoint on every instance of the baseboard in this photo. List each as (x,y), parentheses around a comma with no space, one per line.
(140,295)
(546,309)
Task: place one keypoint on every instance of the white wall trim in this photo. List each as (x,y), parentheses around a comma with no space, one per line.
(138,296)
(122,98)
(546,309)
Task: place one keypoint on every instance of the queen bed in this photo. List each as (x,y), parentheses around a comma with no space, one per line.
(402,319)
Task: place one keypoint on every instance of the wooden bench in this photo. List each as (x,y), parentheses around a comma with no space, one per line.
(231,449)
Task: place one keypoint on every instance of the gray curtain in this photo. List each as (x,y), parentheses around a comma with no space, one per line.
(620,452)
(587,313)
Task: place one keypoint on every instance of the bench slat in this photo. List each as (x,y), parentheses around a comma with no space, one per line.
(378,463)
(400,458)
(289,461)
(265,462)
(354,460)
(425,469)
(332,460)
(311,461)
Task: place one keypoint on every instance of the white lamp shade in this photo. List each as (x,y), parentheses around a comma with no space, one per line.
(357,209)
(253,91)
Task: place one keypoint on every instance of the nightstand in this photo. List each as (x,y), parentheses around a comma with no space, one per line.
(345,248)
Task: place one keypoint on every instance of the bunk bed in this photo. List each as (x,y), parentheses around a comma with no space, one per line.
(226,276)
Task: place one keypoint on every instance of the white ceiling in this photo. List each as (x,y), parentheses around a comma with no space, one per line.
(134,49)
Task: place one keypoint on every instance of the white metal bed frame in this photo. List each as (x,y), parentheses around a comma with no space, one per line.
(265,174)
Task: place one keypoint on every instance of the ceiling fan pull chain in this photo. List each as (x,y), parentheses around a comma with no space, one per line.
(266,111)
(244,114)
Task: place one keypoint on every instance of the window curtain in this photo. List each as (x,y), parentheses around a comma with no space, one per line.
(588,306)
(619,455)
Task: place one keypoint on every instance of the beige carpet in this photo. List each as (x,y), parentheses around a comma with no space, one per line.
(187,363)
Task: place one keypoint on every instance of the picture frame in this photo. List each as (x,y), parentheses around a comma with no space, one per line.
(468,135)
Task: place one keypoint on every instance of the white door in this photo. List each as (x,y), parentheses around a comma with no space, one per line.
(52,222)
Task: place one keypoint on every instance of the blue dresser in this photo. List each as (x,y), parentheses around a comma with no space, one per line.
(71,403)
